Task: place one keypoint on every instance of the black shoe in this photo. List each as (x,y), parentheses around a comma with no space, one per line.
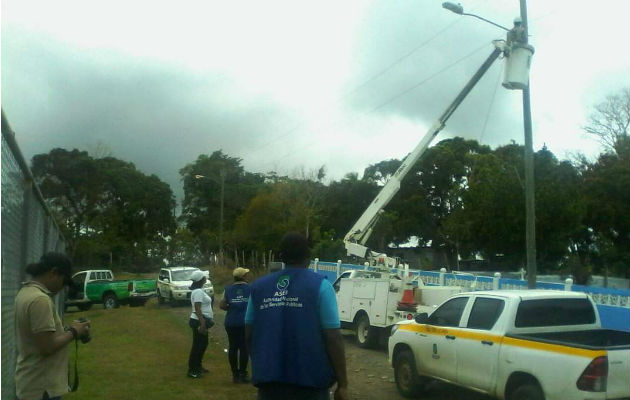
(236,379)
(243,378)
(193,374)
(205,371)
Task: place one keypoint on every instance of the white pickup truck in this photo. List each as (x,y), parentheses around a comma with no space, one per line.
(514,345)
(173,284)
(370,302)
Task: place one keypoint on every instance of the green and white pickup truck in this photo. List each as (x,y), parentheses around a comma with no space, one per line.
(99,286)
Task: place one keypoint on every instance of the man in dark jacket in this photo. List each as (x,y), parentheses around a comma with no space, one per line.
(293,330)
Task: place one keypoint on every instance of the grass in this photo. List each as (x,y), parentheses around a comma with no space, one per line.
(142,352)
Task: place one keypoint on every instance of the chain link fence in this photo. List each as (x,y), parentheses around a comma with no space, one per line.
(28,231)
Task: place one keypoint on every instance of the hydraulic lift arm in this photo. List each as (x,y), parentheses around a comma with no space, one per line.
(358,235)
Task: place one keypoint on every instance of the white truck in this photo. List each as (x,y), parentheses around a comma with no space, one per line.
(514,345)
(371,302)
(173,284)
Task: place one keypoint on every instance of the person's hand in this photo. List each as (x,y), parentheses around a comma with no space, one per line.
(82,328)
(341,393)
(202,328)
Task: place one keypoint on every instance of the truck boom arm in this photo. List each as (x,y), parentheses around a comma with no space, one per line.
(360,232)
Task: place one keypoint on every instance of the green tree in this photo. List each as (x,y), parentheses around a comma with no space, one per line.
(109,209)
(343,203)
(493,218)
(203,180)
(432,192)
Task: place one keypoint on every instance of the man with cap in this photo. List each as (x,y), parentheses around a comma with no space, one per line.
(201,319)
(293,330)
(234,302)
(42,342)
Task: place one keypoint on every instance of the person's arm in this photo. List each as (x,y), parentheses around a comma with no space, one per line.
(337,355)
(249,324)
(48,343)
(329,319)
(202,320)
(223,304)
(47,340)
(197,305)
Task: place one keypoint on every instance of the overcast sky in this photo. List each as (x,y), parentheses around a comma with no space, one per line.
(294,84)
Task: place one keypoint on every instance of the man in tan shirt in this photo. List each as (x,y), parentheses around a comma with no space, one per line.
(42,342)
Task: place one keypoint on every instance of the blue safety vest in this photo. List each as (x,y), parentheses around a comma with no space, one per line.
(236,297)
(288,343)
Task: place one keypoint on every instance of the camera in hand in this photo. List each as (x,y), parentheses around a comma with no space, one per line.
(85,338)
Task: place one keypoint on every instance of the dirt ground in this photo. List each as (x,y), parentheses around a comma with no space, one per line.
(369,373)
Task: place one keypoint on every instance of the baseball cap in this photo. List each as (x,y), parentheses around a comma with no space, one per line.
(197,275)
(239,272)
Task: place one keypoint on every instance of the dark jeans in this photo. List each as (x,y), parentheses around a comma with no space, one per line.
(199,346)
(237,354)
(281,391)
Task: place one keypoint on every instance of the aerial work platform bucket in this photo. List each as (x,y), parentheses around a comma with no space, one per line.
(517,63)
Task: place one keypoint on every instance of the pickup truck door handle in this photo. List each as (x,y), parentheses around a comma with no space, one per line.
(489,343)
(450,337)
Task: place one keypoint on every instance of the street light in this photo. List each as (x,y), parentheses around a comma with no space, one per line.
(530,207)
(459,9)
(222,174)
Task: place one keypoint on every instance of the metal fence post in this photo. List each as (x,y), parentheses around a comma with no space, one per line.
(315,264)
(338,269)
(442,277)
(496,281)
(568,284)
(366,265)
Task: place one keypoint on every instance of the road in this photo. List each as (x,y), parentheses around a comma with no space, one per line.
(369,374)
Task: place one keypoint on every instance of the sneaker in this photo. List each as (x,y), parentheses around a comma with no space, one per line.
(236,379)
(192,374)
(243,378)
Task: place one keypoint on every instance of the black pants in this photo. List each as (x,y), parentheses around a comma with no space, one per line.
(199,346)
(237,353)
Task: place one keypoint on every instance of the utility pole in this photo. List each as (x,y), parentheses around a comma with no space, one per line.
(530,203)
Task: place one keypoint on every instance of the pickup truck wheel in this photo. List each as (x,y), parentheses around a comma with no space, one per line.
(406,376)
(366,335)
(172,300)
(160,298)
(527,392)
(110,301)
(84,306)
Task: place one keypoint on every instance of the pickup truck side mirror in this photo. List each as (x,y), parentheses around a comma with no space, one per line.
(422,318)
(167,280)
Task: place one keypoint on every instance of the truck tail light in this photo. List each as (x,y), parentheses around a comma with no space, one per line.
(130,286)
(594,377)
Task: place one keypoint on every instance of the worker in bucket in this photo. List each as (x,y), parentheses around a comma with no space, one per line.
(516,34)
(293,330)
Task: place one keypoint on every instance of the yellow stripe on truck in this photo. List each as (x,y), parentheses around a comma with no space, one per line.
(504,340)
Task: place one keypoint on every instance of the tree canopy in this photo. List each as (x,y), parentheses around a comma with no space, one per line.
(462,199)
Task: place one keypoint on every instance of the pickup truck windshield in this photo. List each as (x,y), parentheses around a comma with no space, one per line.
(182,275)
(554,312)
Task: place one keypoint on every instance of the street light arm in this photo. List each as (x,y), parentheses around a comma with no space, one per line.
(488,21)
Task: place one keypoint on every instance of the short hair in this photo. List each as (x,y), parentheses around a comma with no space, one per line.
(294,249)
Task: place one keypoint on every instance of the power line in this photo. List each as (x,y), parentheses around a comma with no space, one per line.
(366,82)
(404,92)
(485,122)
(390,100)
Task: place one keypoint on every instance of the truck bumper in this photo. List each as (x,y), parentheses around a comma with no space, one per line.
(146,295)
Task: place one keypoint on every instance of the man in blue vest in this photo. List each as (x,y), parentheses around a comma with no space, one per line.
(293,331)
